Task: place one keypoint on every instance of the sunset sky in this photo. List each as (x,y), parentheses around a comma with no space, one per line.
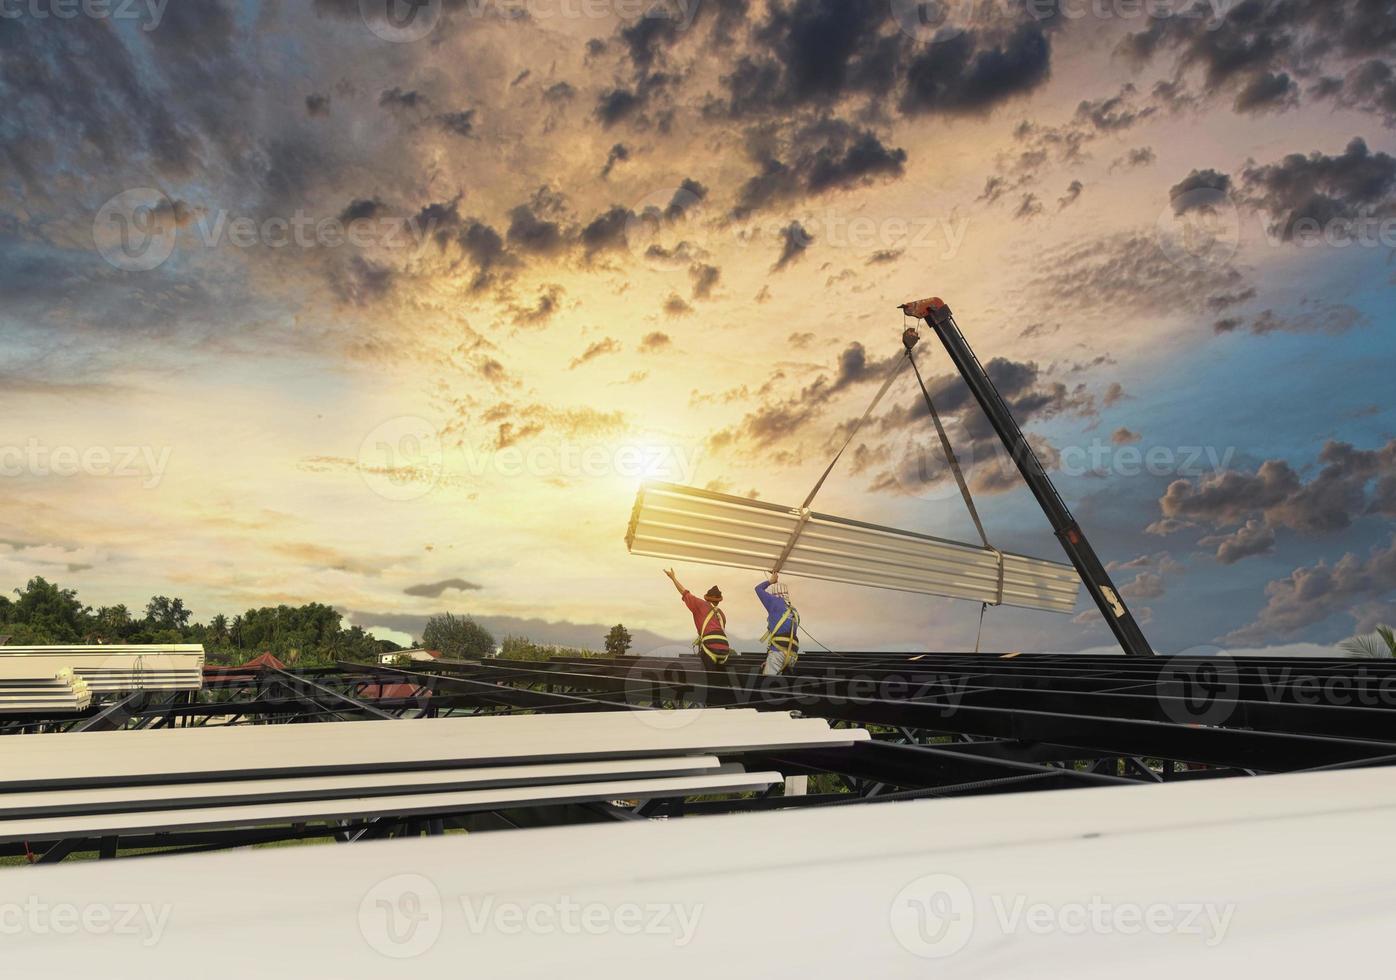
(299,302)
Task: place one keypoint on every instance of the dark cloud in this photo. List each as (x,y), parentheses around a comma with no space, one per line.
(435,590)
(1275,496)
(360,282)
(1253,538)
(886,256)
(1142,156)
(460,123)
(973,72)
(317,105)
(1267,92)
(1258,48)
(1113,114)
(1125,437)
(535,233)
(1201,190)
(1072,195)
(705,279)
(397,98)
(818,157)
(619,154)
(1028,208)
(795,241)
(607,232)
(1355,586)
(363,209)
(1304,194)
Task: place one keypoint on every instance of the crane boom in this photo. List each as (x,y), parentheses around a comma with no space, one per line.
(1097,581)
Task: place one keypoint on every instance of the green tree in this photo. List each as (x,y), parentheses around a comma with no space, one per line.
(163,613)
(51,614)
(457,637)
(618,640)
(1380,645)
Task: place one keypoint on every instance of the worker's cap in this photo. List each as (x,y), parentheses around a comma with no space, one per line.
(781,589)
(714,594)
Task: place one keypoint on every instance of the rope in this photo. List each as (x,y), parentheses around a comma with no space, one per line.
(819,485)
(955,468)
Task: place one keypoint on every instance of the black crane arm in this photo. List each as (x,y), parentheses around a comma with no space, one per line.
(1112,605)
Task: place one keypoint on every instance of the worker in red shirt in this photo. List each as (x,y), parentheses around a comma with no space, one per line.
(710,621)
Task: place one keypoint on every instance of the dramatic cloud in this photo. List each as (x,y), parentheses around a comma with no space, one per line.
(794,243)
(1257,49)
(1358,587)
(819,157)
(1305,194)
(435,590)
(1275,496)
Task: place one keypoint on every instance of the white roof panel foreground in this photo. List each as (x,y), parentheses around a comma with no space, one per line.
(1283,876)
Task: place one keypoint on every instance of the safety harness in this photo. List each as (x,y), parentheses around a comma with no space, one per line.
(787,643)
(707,637)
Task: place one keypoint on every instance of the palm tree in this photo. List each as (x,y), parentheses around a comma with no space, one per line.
(1380,645)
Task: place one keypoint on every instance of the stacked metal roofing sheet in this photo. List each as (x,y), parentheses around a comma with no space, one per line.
(62,693)
(110,669)
(83,785)
(687,524)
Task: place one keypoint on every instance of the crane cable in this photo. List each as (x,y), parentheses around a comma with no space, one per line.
(951,458)
(955,468)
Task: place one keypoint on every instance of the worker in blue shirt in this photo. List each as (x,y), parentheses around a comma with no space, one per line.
(782,637)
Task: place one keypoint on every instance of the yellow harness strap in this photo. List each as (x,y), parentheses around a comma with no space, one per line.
(700,645)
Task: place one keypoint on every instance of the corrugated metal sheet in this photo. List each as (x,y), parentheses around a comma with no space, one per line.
(686,524)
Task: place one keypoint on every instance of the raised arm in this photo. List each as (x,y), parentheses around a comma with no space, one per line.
(674,578)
